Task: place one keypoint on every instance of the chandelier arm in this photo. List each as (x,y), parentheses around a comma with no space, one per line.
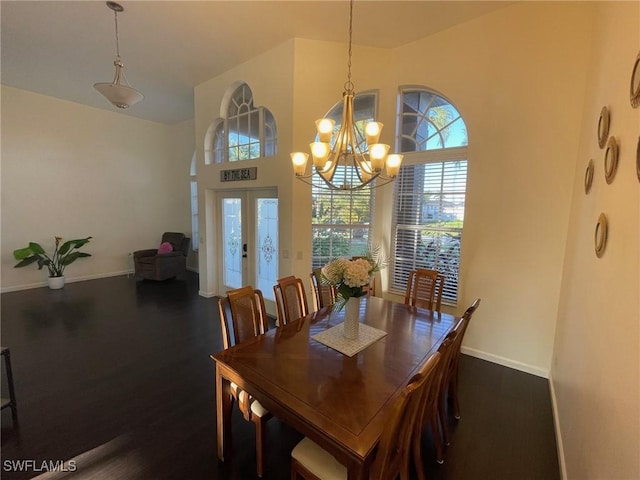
(328,173)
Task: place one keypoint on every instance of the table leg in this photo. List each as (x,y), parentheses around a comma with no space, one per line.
(223,413)
(357,471)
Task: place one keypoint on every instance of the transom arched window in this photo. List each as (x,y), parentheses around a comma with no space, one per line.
(243,132)
(341,219)
(430,190)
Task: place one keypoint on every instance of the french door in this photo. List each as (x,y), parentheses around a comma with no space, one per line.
(249,239)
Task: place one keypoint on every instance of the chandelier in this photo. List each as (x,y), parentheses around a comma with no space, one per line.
(340,158)
(119,92)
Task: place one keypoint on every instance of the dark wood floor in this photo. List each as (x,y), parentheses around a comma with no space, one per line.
(116,375)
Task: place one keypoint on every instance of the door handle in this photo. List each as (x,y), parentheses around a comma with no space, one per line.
(244,250)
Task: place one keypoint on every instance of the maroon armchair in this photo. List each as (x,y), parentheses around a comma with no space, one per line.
(151,265)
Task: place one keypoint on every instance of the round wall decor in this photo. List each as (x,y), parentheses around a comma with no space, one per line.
(634,90)
(603,127)
(600,235)
(588,177)
(611,160)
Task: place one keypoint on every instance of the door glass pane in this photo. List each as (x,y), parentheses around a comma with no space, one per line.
(267,245)
(232,237)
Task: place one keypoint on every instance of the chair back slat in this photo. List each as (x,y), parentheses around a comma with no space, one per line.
(323,294)
(291,299)
(225,321)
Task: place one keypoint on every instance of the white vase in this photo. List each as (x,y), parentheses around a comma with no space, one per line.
(56,283)
(352,318)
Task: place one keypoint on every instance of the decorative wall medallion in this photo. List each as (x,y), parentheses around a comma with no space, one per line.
(603,127)
(268,249)
(600,235)
(611,160)
(588,177)
(634,90)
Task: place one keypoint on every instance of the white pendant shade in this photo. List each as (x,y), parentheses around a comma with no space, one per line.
(119,95)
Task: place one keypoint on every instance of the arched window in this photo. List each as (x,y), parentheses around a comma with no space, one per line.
(243,132)
(341,219)
(430,190)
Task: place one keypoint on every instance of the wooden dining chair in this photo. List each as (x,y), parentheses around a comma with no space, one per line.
(243,316)
(312,462)
(424,289)
(449,355)
(428,415)
(291,299)
(454,366)
(323,293)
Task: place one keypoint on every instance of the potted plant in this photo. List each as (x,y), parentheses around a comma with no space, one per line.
(63,255)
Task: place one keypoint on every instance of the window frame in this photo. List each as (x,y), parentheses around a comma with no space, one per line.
(218,137)
(193,183)
(417,158)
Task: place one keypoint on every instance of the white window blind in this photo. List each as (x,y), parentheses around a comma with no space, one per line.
(428,220)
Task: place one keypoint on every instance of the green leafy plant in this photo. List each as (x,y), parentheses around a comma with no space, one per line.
(63,255)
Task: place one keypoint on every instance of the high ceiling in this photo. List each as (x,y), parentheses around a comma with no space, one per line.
(62,48)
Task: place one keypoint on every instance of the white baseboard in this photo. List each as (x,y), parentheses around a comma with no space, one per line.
(206,294)
(556,424)
(66,280)
(523,367)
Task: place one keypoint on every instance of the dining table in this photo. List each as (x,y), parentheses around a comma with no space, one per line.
(339,400)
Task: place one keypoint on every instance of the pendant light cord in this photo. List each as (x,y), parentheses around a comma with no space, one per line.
(115,14)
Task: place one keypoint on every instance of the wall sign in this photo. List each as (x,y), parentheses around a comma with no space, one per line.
(239,174)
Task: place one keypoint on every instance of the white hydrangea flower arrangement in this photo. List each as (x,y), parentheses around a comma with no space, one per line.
(351,276)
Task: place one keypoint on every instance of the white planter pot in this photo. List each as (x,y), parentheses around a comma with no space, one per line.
(55,283)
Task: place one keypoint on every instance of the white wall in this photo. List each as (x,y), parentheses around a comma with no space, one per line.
(74,171)
(517,77)
(596,359)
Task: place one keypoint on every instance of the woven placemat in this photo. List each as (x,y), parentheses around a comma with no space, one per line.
(334,338)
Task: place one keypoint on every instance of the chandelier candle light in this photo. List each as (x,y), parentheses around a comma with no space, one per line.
(119,92)
(343,148)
